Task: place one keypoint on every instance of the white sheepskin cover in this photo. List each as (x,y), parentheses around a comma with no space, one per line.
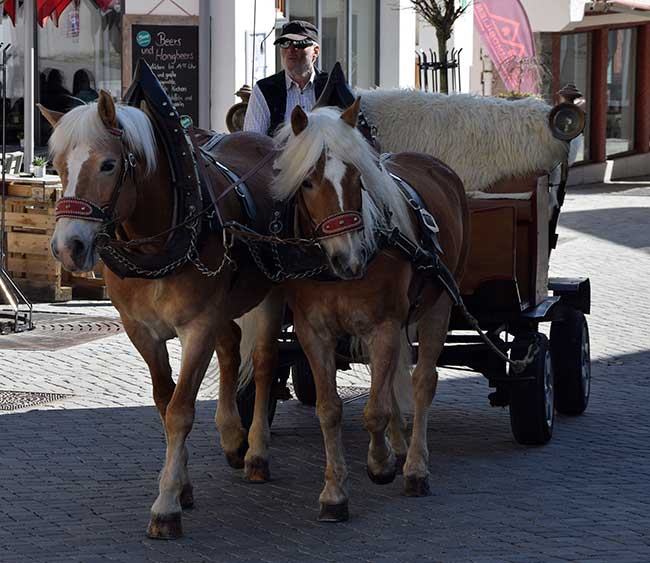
(482,139)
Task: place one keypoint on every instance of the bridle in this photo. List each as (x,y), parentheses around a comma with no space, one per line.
(80,208)
(333,225)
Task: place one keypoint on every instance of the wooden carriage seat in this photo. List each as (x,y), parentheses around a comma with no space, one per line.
(508,262)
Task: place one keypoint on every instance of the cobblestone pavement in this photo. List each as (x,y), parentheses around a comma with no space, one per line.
(79,475)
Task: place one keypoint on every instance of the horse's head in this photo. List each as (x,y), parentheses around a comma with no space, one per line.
(94,150)
(331,199)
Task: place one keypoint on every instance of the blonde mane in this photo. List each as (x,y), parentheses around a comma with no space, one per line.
(83,126)
(326,131)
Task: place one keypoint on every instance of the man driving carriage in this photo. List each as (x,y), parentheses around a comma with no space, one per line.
(298,84)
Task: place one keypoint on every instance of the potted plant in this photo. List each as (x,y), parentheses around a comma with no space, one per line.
(38,166)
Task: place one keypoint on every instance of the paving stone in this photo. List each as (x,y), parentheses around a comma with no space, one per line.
(79,475)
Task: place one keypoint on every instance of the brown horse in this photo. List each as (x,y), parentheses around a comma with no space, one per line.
(345,196)
(89,145)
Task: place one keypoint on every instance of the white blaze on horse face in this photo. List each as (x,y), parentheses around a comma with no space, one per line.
(73,239)
(76,160)
(345,251)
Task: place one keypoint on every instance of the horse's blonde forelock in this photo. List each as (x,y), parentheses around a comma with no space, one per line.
(326,131)
(83,126)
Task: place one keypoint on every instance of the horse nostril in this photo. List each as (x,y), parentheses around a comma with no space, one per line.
(77,248)
(54,251)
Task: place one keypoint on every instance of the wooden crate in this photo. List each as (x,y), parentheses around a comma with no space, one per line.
(29,228)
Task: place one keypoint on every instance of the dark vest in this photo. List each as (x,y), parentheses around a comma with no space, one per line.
(274,90)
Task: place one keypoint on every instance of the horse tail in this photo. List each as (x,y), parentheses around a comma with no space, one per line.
(248,326)
(402,382)
(260,325)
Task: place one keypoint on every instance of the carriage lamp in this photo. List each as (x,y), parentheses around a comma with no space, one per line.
(567,119)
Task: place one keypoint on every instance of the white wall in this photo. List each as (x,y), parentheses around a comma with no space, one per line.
(553,15)
(166,8)
(397,44)
(232,21)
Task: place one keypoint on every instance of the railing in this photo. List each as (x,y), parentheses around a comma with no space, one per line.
(438,70)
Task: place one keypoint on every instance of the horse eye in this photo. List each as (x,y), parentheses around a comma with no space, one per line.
(107,166)
(307,184)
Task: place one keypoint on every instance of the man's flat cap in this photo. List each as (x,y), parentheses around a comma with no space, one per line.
(298,30)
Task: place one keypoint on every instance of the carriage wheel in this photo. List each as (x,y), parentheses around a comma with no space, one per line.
(571,363)
(246,402)
(303,382)
(532,407)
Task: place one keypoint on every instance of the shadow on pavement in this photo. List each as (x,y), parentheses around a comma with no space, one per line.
(78,485)
(626,226)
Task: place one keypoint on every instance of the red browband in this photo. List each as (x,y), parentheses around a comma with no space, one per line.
(77,208)
(340,223)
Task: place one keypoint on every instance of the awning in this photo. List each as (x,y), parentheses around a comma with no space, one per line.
(50,8)
(9,7)
(54,8)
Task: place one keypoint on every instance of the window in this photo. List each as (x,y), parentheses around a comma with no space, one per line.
(15,81)
(363,50)
(334,34)
(621,71)
(77,58)
(348,35)
(575,64)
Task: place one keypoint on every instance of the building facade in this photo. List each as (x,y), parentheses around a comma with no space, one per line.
(603,47)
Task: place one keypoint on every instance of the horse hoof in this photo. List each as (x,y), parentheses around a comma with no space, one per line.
(400,460)
(187,497)
(333,512)
(236,459)
(257,470)
(382,478)
(165,526)
(416,486)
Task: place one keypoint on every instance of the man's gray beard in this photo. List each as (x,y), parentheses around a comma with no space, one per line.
(303,71)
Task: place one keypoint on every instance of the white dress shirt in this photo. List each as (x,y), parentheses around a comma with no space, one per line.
(258,116)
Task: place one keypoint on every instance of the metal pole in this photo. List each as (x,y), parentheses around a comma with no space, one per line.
(205,33)
(30,22)
(4,153)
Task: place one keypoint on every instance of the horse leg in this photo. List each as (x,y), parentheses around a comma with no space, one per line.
(154,353)
(233,435)
(432,331)
(268,316)
(197,344)
(319,349)
(397,432)
(384,348)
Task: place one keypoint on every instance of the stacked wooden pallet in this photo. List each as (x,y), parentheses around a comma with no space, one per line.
(29,223)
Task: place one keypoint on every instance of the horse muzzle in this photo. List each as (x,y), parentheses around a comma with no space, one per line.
(74,245)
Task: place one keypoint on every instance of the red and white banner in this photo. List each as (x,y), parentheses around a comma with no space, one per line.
(505,31)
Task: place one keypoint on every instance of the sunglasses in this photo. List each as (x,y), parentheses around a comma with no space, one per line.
(302,44)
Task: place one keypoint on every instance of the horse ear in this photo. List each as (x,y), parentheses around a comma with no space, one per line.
(299,120)
(106,109)
(351,114)
(51,115)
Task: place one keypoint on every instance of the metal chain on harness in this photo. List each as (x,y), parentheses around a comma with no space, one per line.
(192,255)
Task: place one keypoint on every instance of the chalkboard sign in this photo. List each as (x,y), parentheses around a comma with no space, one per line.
(171,47)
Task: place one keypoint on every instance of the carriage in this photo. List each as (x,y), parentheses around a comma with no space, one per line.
(507,290)
(174,269)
